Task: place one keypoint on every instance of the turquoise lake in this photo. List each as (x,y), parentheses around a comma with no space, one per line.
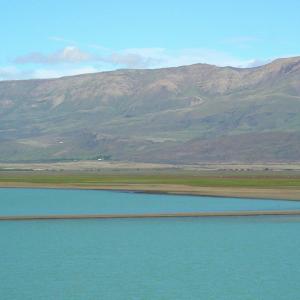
(59,201)
(234,258)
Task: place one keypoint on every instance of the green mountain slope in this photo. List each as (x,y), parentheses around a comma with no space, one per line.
(186,114)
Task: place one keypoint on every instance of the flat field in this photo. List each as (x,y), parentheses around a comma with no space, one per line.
(264,183)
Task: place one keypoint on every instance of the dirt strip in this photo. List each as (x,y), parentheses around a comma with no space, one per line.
(155,215)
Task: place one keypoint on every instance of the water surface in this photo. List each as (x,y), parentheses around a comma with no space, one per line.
(52,201)
(192,258)
(230,258)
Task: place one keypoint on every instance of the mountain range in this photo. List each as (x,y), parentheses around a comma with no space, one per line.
(181,115)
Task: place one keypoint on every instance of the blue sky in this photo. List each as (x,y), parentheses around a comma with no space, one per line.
(41,39)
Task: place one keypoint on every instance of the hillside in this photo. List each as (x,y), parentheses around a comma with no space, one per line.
(187,114)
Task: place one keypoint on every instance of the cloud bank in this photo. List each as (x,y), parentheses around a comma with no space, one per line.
(68,54)
(72,60)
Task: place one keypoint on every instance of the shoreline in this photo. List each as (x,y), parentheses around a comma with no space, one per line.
(292,194)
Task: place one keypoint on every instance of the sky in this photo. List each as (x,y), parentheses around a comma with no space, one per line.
(50,38)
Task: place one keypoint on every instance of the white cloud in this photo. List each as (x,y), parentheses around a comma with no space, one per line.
(74,55)
(130,59)
(134,57)
(160,57)
(68,54)
(55,73)
(257,63)
(72,60)
(12,73)
(9,72)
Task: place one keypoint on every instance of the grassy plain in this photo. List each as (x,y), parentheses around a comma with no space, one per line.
(257,184)
(208,180)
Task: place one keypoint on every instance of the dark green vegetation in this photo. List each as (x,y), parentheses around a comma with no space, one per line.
(198,113)
(207,180)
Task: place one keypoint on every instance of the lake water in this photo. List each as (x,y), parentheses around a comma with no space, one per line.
(51,201)
(234,258)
